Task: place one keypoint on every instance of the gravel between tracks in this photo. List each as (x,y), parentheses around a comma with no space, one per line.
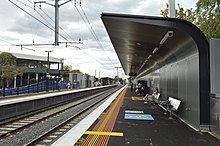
(34,131)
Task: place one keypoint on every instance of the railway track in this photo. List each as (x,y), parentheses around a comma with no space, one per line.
(49,124)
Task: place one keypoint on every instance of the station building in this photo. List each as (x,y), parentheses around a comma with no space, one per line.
(37,67)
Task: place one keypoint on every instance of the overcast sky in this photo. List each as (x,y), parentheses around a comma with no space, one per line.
(96,52)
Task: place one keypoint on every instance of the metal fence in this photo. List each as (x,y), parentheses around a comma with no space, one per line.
(32,88)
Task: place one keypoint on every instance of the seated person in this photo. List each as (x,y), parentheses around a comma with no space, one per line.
(149,96)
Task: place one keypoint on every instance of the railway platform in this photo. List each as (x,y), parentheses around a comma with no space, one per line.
(129,122)
(123,119)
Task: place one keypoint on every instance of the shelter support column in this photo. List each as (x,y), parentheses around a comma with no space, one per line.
(21,80)
(37,76)
(28,79)
(15,82)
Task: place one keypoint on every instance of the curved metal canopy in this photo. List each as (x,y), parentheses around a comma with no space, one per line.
(144,44)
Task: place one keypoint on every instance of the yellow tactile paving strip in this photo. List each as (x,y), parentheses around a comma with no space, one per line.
(100,134)
(137,98)
(104,133)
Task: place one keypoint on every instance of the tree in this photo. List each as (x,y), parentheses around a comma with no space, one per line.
(7,62)
(7,59)
(75,71)
(165,12)
(208,17)
(67,68)
(116,78)
(187,14)
(8,67)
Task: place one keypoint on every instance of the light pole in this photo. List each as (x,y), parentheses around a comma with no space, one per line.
(117,73)
(48,67)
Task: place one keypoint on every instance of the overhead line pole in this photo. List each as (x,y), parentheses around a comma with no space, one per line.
(171,9)
(57,6)
(117,71)
(56,23)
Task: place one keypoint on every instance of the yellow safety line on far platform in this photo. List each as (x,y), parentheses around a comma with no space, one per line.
(104,133)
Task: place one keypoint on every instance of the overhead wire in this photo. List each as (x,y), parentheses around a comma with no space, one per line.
(28,49)
(37,12)
(46,20)
(51,27)
(31,15)
(42,11)
(52,20)
(94,34)
(88,25)
(6,41)
(82,50)
(93,58)
(37,19)
(89,55)
(15,45)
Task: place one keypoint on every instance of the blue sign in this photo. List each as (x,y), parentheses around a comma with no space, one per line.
(139,117)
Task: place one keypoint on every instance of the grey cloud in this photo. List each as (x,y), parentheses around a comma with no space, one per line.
(9,38)
(72,23)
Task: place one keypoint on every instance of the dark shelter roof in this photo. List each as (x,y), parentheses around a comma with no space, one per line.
(135,38)
(145,44)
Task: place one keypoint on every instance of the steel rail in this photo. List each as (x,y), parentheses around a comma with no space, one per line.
(13,130)
(64,123)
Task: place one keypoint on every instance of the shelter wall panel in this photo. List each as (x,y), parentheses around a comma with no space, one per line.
(157,79)
(169,82)
(215,110)
(182,87)
(174,80)
(215,69)
(193,104)
(181,80)
(163,82)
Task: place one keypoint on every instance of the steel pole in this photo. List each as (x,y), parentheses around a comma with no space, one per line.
(56,23)
(48,67)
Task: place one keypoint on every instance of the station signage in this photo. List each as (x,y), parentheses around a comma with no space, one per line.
(132,74)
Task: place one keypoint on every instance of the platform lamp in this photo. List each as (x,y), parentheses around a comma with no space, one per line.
(48,67)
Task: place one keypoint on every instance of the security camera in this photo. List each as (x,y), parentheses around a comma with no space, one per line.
(170,33)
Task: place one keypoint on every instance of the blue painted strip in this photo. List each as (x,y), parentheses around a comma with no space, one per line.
(139,117)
